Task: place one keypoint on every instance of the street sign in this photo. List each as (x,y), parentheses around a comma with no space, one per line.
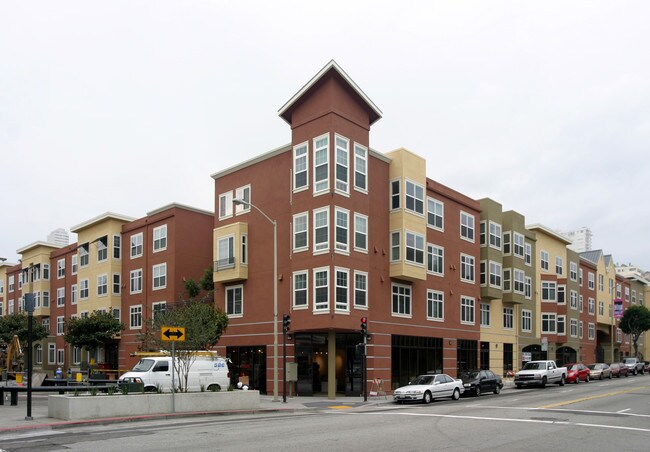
(172,333)
(618,308)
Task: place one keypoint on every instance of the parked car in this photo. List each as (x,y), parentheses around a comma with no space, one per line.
(577,372)
(478,382)
(634,365)
(646,366)
(598,371)
(540,373)
(618,370)
(427,387)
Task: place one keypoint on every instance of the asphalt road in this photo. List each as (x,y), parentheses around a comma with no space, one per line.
(597,416)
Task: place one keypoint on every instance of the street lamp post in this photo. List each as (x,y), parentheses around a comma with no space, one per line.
(241,202)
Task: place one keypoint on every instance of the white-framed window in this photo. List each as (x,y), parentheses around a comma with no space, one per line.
(342,165)
(60,268)
(435,214)
(84,286)
(395,246)
(414,248)
(561,294)
(482,273)
(401,300)
(467,310)
(633,294)
(485,315)
(395,194)
(60,296)
(244,249)
(341,230)
(482,233)
(46,324)
(73,294)
(435,259)
(51,353)
(466,226)
(627,294)
(321,289)
(158,308)
(573,327)
(581,303)
(102,285)
(225,252)
(414,199)
(11,284)
(549,289)
(573,299)
(559,265)
(60,356)
(160,238)
(360,289)
(549,322)
(508,318)
(435,305)
(135,317)
(301,166)
(507,279)
(526,320)
(159,272)
(225,205)
(76,355)
(591,305)
(60,325)
(519,281)
(301,231)
(39,354)
(544,260)
(592,331)
(561,325)
(136,281)
(495,235)
(244,194)
(321,164)
(580,326)
(467,268)
(591,282)
(300,289)
(117,314)
(102,249)
(496,271)
(74,259)
(321,229)
(235,301)
(360,167)
(573,271)
(84,255)
(528,254)
(507,243)
(117,283)
(136,245)
(580,276)
(46,298)
(117,246)
(518,244)
(360,232)
(341,289)
(601,283)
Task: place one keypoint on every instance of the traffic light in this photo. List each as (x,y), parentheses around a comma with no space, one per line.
(364,326)
(286,321)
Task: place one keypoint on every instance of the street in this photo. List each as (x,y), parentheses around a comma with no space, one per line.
(599,415)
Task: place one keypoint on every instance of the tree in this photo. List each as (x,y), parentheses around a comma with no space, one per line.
(635,321)
(17,324)
(92,331)
(204,324)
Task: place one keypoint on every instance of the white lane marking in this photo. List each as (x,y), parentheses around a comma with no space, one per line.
(35,434)
(529,421)
(562,409)
(623,411)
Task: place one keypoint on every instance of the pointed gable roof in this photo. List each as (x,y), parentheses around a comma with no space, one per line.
(592,256)
(374,113)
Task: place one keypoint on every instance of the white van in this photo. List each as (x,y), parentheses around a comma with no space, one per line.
(156,372)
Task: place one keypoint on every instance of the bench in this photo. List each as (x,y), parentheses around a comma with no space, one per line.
(14,390)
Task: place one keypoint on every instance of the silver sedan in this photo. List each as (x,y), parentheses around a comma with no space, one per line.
(598,371)
(427,387)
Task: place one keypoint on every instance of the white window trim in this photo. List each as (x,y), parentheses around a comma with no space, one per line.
(153,276)
(323,309)
(326,186)
(356,248)
(345,191)
(306,289)
(347,292)
(473,265)
(526,317)
(326,247)
(365,158)
(306,231)
(354,290)
(473,228)
(240,193)
(341,248)
(423,200)
(438,292)
(397,314)
(304,144)
(135,256)
(473,300)
(153,238)
(225,297)
(442,204)
(131,308)
(225,199)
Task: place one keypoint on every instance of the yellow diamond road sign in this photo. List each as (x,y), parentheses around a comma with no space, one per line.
(172,333)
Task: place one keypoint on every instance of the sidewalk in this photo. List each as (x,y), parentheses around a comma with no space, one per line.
(12,418)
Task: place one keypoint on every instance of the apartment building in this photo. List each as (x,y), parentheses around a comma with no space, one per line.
(359,234)
(638,292)
(507,302)
(587,306)
(161,250)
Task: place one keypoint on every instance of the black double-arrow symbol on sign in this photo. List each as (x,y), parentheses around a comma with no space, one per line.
(173,333)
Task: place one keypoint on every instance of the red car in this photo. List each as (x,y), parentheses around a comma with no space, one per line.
(619,369)
(577,372)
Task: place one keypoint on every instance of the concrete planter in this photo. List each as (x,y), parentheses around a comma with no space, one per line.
(70,407)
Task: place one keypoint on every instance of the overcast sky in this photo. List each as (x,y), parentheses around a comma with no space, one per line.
(126,106)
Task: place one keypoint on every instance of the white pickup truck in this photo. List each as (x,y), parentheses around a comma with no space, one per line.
(540,373)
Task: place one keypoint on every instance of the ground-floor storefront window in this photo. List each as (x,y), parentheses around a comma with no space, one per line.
(413,356)
(248,365)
